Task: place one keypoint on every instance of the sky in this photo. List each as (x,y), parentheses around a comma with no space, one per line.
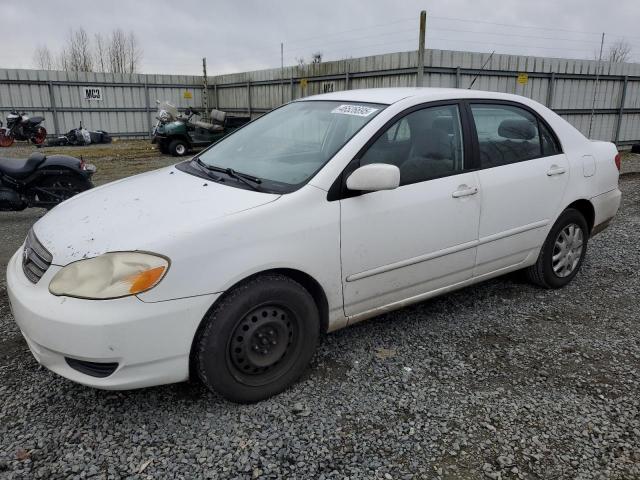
(242,35)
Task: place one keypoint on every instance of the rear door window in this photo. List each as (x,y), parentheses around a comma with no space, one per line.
(549,143)
(506,134)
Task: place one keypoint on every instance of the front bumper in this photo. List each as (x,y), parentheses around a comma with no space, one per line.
(150,342)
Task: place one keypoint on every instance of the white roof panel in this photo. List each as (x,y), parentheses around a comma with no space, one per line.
(393,95)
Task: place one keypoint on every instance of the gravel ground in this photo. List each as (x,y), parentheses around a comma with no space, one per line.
(499,380)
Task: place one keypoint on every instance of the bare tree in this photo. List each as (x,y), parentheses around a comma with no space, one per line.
(117,48)
(43,58)
(316,58)
(100,52)
(134,53)
(619,51)
(117,53)
(124,53)
(78,51)
(63,61)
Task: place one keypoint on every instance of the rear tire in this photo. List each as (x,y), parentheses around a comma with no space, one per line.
(63,187)
(562,253)
(5,140)
(258,339)
(178,148)
(163,148)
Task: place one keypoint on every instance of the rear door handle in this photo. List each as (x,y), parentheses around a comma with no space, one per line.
(464,191)
(555,170)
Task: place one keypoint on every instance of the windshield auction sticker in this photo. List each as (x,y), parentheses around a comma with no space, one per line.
(358,110)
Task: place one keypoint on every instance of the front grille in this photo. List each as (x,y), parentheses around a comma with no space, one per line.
(35,258)
(94,369)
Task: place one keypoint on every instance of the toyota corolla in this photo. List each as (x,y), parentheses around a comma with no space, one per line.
(329,210)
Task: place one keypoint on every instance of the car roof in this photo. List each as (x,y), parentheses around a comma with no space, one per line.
(393,95)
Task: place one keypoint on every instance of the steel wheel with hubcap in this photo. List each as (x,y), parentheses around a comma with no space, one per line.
(257,339)
(563,251)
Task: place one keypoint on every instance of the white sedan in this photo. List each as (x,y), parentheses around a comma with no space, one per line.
(327,211)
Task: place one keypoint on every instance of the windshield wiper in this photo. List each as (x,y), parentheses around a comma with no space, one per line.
(252,182)
(204,168)
(248,180)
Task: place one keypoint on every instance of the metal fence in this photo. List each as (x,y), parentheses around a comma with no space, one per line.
(124,107)
(573,88)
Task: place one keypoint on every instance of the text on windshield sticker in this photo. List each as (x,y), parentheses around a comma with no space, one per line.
(358,110)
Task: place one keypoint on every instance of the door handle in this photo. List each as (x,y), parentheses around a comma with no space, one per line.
(464,191)
(555,170)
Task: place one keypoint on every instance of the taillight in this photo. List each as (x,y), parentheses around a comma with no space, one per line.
(83,164)
(617,160)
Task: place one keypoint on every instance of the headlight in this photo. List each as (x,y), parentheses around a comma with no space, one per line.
(111,275)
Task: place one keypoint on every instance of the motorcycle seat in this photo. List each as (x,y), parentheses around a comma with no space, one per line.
(36,120)
(19,167)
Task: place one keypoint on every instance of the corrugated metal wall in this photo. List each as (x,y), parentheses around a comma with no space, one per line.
(128,108)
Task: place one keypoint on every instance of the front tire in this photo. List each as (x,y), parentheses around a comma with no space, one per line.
(39,136)
(178,148)
(258,339)
(563,251)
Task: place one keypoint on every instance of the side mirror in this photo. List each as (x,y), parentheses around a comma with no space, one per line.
(374,177)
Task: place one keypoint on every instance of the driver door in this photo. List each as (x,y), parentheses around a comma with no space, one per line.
(400,244)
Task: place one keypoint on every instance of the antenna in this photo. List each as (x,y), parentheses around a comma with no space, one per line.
(481,69)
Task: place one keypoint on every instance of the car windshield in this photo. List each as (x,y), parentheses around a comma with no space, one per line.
(288,146)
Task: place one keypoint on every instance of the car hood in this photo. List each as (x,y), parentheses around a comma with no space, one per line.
(144,212)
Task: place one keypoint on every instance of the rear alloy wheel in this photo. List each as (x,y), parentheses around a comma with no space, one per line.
(258,340)
(563,251)
(39,136)
(5,140)
(178,148)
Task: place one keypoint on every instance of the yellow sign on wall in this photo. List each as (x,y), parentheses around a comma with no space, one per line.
(523,78)
(187,94)
(303,83)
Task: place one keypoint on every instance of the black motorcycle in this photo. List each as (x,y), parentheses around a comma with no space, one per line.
(22,127)
(78,137)
(42,181)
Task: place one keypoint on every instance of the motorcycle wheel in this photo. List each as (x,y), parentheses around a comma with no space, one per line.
(57,188)
(5,140)
(39,136)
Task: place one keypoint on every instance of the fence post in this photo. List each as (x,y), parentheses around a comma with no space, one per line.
(552,83)
(205,91)
(623,96)
(215,92)
(458,77)
(293,94)
(346,75)
(423,27)
(147,105)
(249,97)
(54,110)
